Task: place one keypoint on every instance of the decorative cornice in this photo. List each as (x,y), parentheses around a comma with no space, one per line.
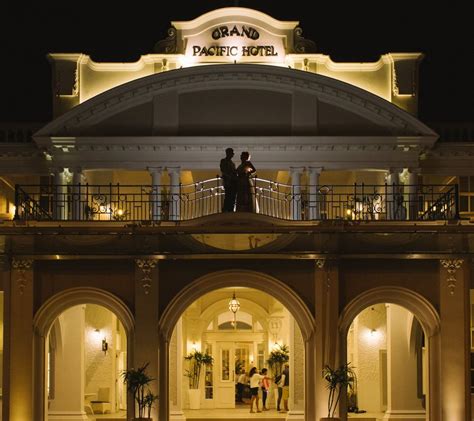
(140,91)
(146,265)
(21,266)
(451,265)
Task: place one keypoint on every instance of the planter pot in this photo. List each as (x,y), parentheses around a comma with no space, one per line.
(194,398)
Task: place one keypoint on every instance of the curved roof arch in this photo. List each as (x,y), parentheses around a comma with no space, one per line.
(339,95)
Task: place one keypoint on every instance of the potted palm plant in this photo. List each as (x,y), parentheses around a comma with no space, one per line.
(196,361)
(338,379)
(137,381)
(276,360)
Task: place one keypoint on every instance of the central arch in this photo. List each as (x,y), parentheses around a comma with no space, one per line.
(238,278)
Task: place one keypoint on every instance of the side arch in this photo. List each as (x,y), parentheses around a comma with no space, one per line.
(50,310)
(428,318)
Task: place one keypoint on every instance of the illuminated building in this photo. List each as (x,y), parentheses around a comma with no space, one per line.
(116,251)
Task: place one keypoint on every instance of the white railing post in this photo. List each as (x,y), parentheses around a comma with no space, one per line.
(412,189)
(155,194)
(314,208)
(59,194)
(77,202)
(296,192)
(175,176)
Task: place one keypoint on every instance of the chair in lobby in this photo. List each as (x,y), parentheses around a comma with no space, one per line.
(102,404)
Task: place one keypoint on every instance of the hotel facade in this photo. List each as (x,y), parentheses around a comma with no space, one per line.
(115,251)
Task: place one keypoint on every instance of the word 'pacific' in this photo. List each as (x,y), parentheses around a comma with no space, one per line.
(234,51)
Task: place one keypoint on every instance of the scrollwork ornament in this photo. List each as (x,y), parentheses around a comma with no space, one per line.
(146,265)
(21,266)
(451,266)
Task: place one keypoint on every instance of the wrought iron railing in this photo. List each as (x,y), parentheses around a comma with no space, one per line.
(117,202)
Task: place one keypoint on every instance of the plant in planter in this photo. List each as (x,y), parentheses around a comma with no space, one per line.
(137,381)
(338,379)
(196,361)
(278,358)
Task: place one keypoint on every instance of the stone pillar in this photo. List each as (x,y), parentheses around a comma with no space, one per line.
(392,198)
(59,195)
(68,402)
(297,370)
(327,332)
(77,199)
(296,192)
(155,195)
(455,344)
(176,373)
(314,205)
(20,341)
(411,192)
(175,199)
(402,401)
(146,322)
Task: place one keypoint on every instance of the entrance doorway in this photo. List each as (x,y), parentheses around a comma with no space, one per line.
(237,341)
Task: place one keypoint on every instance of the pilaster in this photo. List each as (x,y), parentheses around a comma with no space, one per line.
(146,321)
(21,340)
(455,346)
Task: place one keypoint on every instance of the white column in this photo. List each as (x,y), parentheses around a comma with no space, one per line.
(174,173)
(403,404)
(77,198)
(392,196)
(296,192)
(68,402)
(155,195)
(411,191)
(297,371)
(314,206)
(59,195)
(176,373)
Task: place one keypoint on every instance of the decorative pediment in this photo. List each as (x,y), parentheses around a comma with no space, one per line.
(254,99)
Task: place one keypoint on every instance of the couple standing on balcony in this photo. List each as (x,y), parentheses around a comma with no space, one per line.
(237,183)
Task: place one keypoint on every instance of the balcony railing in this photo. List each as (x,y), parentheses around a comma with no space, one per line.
(117,202)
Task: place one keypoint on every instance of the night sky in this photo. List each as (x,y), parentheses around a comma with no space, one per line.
(347,31)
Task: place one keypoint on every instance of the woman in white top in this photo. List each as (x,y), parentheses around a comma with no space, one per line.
(255,380)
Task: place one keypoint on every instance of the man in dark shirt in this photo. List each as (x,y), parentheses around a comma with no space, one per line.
(229,178)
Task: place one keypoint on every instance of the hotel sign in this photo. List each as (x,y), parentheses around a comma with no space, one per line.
(235,35)
(237,41)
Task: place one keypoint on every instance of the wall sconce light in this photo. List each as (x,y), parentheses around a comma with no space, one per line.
(105,345)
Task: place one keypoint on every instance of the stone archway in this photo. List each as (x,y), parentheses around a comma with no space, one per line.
(242,278)
(429,319)
(44,319)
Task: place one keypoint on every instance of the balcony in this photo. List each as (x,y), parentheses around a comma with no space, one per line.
(147,203)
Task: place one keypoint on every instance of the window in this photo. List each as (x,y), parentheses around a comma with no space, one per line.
(466,194)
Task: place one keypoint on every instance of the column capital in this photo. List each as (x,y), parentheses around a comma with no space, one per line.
(414,170)
(173,170)
(394,170)
(315,169)
(154,169)
(296,169)
(76,170)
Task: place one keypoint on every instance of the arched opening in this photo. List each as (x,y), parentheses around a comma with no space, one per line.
(82,345)
(263,323)
(390,337)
